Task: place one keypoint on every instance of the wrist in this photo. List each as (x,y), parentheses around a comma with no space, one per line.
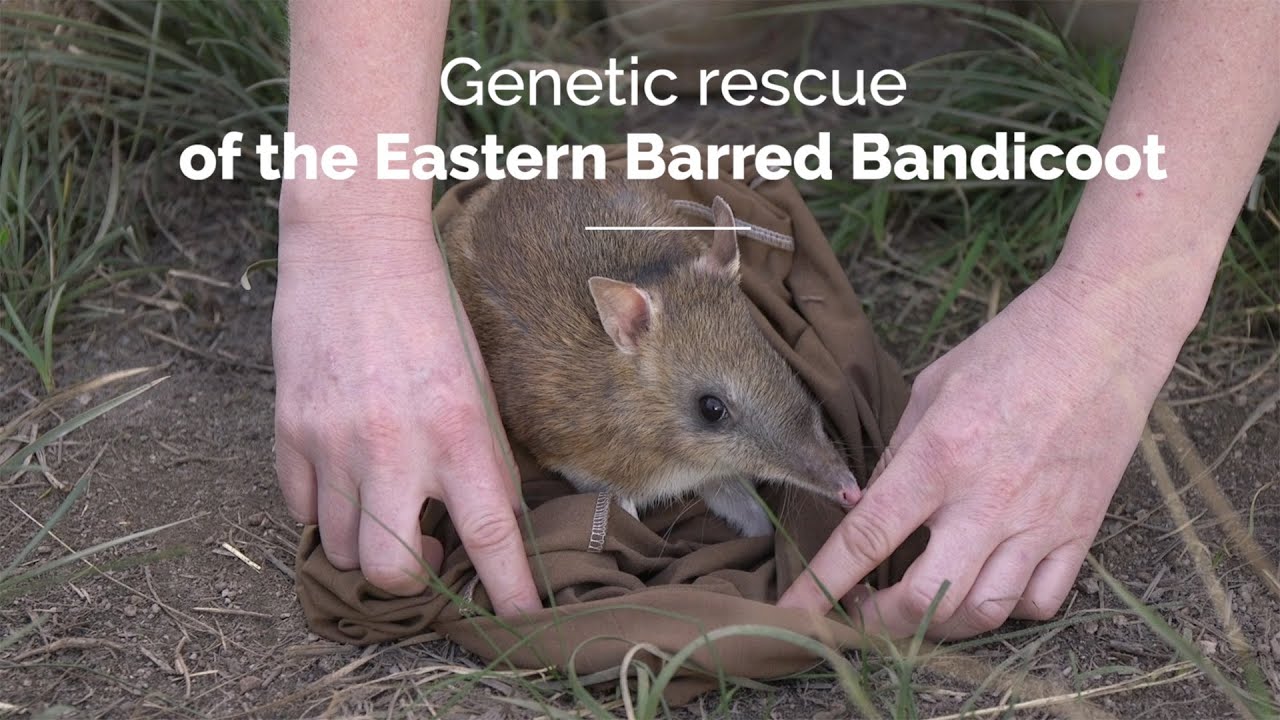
(1143,261)
(357,246)
(1086,341)
(355,200)
(1120,310)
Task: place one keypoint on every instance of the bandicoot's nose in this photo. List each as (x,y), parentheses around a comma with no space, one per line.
(850,496)
(848,492)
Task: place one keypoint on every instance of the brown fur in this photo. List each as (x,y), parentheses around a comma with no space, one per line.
(521,260)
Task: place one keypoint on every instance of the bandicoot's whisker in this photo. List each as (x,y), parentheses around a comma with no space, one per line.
(659,227)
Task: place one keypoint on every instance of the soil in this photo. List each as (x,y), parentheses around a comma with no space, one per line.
(179,624)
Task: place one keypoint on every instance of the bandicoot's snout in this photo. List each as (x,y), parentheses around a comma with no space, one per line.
(847,491)
(819,467)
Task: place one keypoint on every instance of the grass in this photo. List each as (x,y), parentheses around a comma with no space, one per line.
(95,94)
(993,238)
(99,95)
(59,224)
(17,581)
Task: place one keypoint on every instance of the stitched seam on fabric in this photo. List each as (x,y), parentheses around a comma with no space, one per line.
(599,522)
(772,238)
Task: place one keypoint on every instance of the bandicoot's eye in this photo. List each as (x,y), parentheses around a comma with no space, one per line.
(712,408)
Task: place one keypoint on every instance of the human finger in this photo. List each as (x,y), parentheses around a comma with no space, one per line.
(997,590)
(899,502)
(495,443)
(297,479)
(1051,582)
(954,556)
(392,554)
(481,506)
(338,511)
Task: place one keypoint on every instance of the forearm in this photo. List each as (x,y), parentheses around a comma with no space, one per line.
(1203,77)
(359,69)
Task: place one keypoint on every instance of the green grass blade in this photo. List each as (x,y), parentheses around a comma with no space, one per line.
(1258,705)
(13,463)
(45,529)
(13,586)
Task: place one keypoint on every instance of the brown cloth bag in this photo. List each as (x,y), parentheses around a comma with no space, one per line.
(610,581)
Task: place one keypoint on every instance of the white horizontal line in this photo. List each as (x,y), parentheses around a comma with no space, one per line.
(662,227)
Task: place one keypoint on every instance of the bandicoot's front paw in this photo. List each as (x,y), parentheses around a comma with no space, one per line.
(752,523)
(736,504)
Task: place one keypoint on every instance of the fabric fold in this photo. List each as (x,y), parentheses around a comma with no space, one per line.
(681,573)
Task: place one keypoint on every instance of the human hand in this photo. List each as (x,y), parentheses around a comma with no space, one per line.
(378,409)
(1009,451)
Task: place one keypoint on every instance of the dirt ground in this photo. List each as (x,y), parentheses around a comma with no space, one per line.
(176,625)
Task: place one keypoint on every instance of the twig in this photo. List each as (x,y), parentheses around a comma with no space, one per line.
(179,664)
(70,643)
(1202,477)
(174,615)
(418,639)
(220,356)
(932,282)
(74,391)
(1253,377)
(169,306)
(159,662)
(1201,559)
(234,611)
(241,556)
(288,571)
(1184,672)
(188,275)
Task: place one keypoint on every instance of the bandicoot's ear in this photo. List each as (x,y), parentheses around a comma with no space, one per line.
(722,256)
(626,311)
